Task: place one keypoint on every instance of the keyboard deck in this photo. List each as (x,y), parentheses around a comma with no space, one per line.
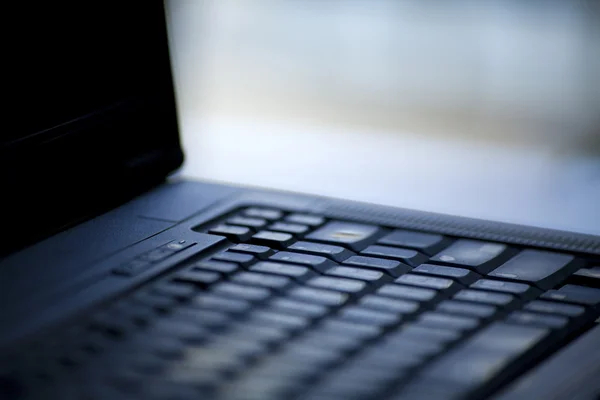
(300,306)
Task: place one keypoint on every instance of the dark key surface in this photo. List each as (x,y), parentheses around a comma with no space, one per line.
(235,233)
(338,284)
(294,229)
(382,303)
(240,291)
(530,318)
(428,243)
(518,289)
(489,351)
(441,320)
(264,280)
(295,307)
(178,290)
(551,307)
(219,303)
(297,272)
(394,268)
(540,268)
(462,275)
(407,256)
(198,277)
(481,257)
(346,328)
(316,262)
(363,274)
(273,239)
(587,277)
(266,213)
(417,330)
(448,285)
(336,253)
(469,309)
(408,292)
(239,258)
(279,319)
(368,316)
(485,297)
(255,223)
(305,219)
(352,235)
(575,294)
(261,252)
(217,266)
(318,296)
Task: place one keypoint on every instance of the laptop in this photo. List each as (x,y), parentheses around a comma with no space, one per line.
(118,281)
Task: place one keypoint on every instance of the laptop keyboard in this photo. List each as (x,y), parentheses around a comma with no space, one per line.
(303,307)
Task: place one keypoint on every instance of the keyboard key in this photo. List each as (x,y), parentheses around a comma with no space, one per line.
(462,275)
(297,272)
(519,289)
(390,305)
(294,229)
(529,318)
(336,253)
(394,268)
(407,256)
(587,277)
(316,262)
(323,338)
(540,268)
(352,235)
(438,334)
(447,321)
(428,243)
(479,256)
(264,280)
(575,294)
(408,293)
(447,285)
(273,239)
(368,316)
(488,352)
(266,213)
(255,223)
(363,274)
(217,266)
(479,296)
(252,331)
(469,309)
(550,307)
(319,296)
(256,250)
(345,328)
(338,284)
(196,316)
(198,277)
(243,292)
(181,291)
(279,319)
(241,259)
(299,308)
(234,233)
(218,303)
(305,219)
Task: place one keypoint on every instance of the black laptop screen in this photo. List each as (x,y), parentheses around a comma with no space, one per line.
(90,106)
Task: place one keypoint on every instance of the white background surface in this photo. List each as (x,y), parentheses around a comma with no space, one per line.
(259,107)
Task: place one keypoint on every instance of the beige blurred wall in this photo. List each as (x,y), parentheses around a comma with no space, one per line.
(515,72)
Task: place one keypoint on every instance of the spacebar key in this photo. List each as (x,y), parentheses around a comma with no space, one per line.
(481,359)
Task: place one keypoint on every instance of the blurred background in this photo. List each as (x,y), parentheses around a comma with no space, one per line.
(487,109)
